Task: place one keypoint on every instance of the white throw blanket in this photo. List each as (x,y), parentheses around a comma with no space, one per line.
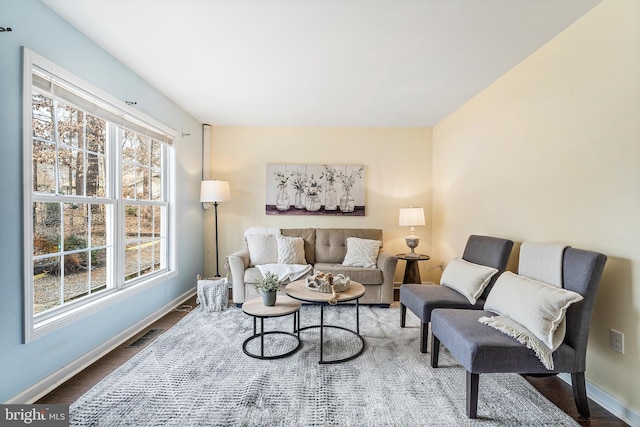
(285,272)
(515,330)
(542,262)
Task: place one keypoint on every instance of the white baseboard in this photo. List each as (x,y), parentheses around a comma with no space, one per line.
(57,378)
(608,402)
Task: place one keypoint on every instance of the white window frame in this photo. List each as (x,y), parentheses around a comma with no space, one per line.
(118,290)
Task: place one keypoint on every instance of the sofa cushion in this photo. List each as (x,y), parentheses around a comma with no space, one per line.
(308,235)
(290,250)
(361,252)
(263,249)
(366,276)
(331,243)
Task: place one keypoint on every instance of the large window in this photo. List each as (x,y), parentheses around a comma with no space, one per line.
(97,198)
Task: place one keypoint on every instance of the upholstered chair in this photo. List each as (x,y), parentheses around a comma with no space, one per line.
(482,349)
(422,299)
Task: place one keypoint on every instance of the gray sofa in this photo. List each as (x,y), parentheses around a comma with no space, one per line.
(325,249)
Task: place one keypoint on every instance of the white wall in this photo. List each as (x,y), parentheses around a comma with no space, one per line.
(551,152)
(397,168)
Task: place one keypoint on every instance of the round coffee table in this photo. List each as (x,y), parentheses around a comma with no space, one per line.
(283,307)
(299,291)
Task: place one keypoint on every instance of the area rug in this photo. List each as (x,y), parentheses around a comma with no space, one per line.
(196,374)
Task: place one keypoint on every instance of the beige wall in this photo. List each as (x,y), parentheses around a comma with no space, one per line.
(551,152)
(397,172)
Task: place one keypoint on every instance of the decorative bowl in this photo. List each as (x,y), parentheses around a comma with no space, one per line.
(322,282)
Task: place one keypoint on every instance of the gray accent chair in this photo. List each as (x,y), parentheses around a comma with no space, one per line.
(423,299)
(482,349)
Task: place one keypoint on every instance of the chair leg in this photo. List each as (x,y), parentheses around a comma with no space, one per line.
(580,393)
(435,351)
(472,394)
(403,315)
(424,336)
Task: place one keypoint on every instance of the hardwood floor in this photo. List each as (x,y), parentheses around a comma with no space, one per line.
(553,388)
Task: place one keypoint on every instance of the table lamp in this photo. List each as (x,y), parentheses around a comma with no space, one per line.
(412,217)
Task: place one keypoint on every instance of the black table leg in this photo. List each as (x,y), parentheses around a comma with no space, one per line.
(262,337)
(321,329)
(358,316)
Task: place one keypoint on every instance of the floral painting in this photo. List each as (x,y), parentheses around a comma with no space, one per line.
(310,189)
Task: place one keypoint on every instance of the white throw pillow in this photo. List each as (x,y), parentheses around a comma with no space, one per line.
(263,249)
(467,278)
(290,250)
(537,306)
(361,252)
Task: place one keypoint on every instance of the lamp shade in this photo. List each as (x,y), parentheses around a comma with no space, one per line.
(214,191)
(410,217)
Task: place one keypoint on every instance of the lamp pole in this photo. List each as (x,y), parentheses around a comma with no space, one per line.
(215,213)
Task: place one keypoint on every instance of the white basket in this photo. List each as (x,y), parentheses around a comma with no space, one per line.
(213,294)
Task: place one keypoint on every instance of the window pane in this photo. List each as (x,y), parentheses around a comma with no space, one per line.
(76,276)
(71,176)
(96,135)
(156,154)
(146,221)
(44,167)
(129,143)
(132,227)
(142,183)
(131,267)
(98,225)
(142,150)
(128,181)
(46,284)
(46,228)
(157,220)
(156,185)
(98,270)
(42,113)
(157,251)
(75,226)
(96,175)
(146,257)
(131,222)
(70,126)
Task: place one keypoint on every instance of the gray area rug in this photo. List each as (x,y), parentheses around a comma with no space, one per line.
(196,374)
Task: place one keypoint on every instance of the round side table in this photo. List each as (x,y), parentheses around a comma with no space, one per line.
(283,307)
(412,269)
(299,291)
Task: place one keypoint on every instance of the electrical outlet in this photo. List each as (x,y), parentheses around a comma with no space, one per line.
(616,341)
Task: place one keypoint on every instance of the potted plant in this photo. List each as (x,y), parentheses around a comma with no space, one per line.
(267,288)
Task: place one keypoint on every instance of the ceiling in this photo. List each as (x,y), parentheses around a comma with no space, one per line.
(321,62)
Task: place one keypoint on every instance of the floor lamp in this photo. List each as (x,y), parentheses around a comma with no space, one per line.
(212,193)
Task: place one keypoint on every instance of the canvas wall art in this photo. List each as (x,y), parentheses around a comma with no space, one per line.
(311,189)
